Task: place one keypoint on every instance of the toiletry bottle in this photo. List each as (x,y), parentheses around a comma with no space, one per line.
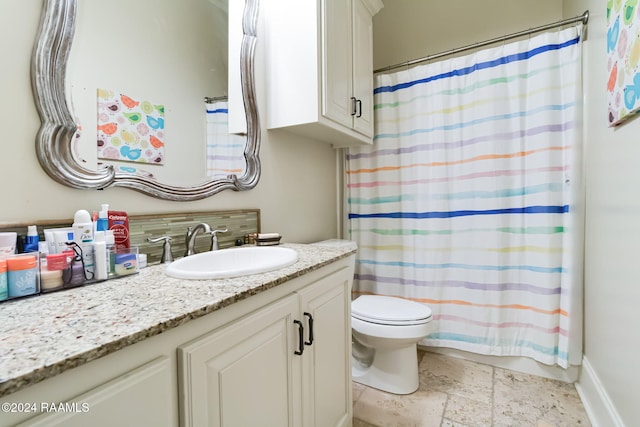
(103,218)
(60,238)
(32,240)
(82,227)
(101,261)
(110,240)
(83,237)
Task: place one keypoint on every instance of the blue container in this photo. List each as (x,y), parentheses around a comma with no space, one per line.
(22,276)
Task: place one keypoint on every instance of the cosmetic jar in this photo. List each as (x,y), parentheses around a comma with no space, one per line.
(125,264)
(22,275)
(50,279)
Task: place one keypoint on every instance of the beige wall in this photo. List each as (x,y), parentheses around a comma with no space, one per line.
(297,190)
(409,29)
(610,377)
(296,193)
(612,270)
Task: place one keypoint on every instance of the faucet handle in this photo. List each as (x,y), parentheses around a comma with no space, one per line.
(214,239)
(167,256)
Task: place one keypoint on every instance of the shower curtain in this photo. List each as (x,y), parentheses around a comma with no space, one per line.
(470,198)
(225,151)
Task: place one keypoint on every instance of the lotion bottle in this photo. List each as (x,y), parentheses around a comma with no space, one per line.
(101,256)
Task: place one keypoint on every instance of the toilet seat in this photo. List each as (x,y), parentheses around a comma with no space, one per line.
(390,311)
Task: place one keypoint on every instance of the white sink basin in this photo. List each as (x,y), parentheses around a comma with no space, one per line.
(232,262)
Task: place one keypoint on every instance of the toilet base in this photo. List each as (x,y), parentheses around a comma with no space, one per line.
(394,370)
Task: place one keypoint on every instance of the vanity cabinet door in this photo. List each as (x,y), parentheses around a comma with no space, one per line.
(243,374)
(140,397)
(326,362)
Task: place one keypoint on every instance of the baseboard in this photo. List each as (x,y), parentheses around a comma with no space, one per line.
(519,364)
(595,399)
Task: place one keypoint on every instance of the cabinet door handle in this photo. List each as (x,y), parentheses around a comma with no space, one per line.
(300,338)
(310,329)
(359,102)
(354,107)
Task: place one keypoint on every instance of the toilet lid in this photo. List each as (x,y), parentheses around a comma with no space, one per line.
(389,310)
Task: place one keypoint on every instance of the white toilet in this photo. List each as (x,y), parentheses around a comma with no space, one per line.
(384,334)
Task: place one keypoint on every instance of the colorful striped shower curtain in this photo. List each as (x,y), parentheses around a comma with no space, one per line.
(225,151)
(470,199)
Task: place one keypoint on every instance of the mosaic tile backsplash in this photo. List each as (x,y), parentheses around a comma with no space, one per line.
(238,222)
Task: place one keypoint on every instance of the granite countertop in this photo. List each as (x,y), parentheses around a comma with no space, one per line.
(45,335)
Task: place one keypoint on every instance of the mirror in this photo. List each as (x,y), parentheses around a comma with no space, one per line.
(58,88)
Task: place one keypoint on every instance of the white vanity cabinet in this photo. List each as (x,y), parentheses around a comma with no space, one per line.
(326,362)
(286,364)
(319,68)
(236,366)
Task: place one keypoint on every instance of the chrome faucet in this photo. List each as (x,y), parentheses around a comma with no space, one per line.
(167,256)
(214,239)
(190,239)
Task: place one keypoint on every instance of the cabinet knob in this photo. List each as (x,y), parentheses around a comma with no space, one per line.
(359,103)
(354,106)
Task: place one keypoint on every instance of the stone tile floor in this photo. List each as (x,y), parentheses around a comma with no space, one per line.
(460,393)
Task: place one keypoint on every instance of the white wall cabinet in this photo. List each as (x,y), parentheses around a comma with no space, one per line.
(319,59)
(287,364)
(234,367)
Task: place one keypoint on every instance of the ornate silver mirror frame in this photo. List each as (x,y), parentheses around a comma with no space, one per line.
(56,133)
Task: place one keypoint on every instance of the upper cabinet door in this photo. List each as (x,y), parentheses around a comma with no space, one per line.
(337,54)
(363,68)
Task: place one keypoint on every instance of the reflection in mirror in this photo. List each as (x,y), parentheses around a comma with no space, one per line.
(137,84)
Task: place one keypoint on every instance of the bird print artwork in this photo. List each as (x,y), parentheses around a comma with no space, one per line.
(623,60)
(130,129)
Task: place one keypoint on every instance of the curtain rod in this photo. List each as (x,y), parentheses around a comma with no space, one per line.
(584,18)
